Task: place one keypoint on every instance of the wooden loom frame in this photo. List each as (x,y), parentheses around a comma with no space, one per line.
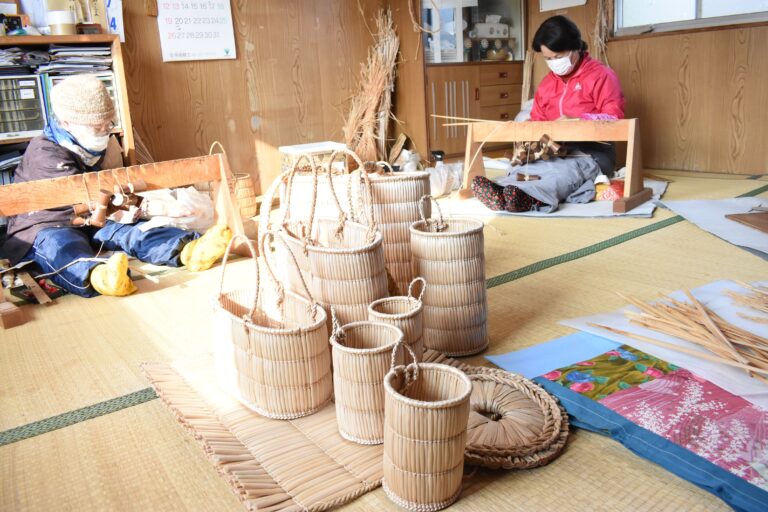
(18,198)
(627,130)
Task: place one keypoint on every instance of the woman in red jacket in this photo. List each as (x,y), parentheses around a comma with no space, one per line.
(577,87)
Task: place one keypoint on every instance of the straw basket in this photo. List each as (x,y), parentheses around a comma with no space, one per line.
(450,256)
(362,354)
(394,198)
(425,426)
(245,194)
(405,313)
(271,353)
(343,261)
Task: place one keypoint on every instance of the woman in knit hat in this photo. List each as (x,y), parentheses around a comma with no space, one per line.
(75,141)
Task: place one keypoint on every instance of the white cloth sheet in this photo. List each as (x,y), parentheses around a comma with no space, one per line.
(710,216)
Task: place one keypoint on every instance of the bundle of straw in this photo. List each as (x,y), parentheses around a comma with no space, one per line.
(367,124)
(757,299)
(694,322)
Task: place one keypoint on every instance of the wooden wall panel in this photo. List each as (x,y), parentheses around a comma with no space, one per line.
(298,64)
(701,96)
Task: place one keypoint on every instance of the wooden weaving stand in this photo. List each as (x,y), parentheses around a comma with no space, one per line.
(627,130)
(31,196)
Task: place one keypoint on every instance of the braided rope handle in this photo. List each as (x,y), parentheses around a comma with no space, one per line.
(271,236)
(289,190)
(249,315)
(269,197)
(434,224)
(423,288)
(337,331)
(410,372)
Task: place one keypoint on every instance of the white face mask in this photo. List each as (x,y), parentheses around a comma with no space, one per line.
(561,66)
(86,138)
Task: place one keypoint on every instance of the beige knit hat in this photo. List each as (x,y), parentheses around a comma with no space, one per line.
(82,99)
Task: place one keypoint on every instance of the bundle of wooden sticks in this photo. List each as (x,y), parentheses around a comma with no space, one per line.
(694,322)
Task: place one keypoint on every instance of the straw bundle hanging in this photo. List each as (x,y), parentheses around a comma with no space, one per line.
(362,355)
(425,427)
(450,256)
(342,260)
(405,313)
(271,353)
(367,124)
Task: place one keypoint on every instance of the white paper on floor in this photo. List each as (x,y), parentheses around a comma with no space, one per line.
(472,207)
(710,216)
(712,295)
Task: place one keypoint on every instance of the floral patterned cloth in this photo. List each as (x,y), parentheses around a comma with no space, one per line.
(608,373)
(694,413)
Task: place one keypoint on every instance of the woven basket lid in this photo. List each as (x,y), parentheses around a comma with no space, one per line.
(513,422)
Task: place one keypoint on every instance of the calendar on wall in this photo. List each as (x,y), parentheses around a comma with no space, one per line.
(196,30)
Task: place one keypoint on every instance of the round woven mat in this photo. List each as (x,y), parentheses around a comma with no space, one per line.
(513,423)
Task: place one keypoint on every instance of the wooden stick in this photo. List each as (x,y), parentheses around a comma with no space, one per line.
(671,346)
(40,295)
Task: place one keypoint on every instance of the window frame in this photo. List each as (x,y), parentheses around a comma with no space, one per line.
(697,24)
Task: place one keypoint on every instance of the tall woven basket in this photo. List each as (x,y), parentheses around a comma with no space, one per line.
(394,197)
(271,351)
(405,313)
(425,426)
(343,261)
(449,254)
(362,353)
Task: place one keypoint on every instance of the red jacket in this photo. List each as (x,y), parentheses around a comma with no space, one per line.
(592,92)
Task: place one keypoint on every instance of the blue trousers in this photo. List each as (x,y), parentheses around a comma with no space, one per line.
(54,248)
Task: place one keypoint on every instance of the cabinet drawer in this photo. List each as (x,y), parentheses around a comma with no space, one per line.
(501,113)
(501,74)
(492,95)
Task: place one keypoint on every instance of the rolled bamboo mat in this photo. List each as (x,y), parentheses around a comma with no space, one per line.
(301,464)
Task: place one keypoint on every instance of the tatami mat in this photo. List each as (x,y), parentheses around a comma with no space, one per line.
(79,352)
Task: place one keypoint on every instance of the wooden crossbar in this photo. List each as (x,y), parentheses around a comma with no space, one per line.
(30,196)
(36,195)
(627,130)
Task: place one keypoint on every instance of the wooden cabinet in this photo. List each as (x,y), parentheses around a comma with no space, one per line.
(451,91)
(477,91)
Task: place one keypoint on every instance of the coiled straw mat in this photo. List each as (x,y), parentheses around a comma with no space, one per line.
(513,422)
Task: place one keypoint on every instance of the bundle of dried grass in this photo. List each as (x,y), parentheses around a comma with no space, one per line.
(367,124)
(602,30)
(694,322)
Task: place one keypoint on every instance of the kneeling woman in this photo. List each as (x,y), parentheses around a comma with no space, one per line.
(577,87)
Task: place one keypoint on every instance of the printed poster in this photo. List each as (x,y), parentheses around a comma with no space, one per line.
(195,30)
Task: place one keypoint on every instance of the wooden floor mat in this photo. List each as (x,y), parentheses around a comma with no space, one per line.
(301,464)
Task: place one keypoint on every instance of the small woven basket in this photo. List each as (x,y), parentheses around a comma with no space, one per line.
(450,255)
(245,194)
(362,356)
(272,355)
(405,313)
(425,426)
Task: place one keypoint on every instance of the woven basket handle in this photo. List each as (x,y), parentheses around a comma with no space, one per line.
(410,371)
(331,160)
(423,288)
(231,244)
(270,236)
(434,224)
(386,166)
(337,331)
(289,189)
